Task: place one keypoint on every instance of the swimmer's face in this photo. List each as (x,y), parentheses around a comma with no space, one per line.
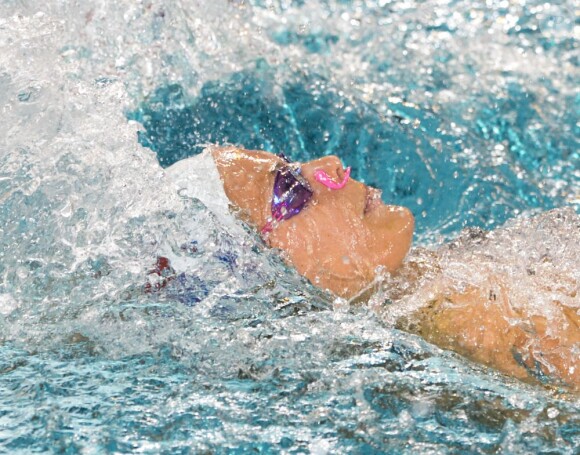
(340,239)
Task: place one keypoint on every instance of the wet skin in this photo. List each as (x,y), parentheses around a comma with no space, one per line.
(343,237)
(340,240)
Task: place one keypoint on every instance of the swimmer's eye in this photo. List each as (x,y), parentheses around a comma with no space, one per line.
(291,194)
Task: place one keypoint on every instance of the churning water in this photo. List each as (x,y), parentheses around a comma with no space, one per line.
(464,111)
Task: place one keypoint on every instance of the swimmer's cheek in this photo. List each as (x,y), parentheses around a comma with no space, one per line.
(396,236)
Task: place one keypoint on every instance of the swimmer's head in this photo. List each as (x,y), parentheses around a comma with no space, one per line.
(341,236)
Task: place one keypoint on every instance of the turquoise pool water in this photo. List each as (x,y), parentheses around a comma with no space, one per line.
(466,112)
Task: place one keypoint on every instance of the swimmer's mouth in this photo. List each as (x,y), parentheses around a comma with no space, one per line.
(373,199)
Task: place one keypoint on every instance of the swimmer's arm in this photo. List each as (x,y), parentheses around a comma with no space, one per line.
(481,324)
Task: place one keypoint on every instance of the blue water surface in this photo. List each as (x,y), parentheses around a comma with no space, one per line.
(465,112)
(407,153)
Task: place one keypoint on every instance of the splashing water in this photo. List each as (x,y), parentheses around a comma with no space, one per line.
(465,113)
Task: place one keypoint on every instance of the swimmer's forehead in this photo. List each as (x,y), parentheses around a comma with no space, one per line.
(258,157)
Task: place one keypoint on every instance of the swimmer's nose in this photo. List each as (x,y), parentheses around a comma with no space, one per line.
(331,164)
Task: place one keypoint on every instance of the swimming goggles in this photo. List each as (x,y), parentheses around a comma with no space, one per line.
(292,192)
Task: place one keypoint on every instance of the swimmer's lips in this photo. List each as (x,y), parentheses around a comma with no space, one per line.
(373,199)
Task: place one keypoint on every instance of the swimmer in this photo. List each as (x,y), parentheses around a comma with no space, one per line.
(337,232)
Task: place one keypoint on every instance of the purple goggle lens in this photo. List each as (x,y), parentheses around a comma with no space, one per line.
(291,194)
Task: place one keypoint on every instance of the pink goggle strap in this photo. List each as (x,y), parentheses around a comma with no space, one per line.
(268,227)
(322,177)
